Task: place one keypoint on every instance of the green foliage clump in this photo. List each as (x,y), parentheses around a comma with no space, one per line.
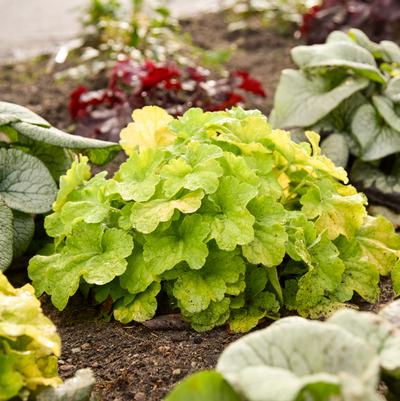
(348,89)
(229,219)
(29,343)
(283,16)
(33,155)
(344,358)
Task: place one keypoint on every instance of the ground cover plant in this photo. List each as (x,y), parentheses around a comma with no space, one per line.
(221,217)
(348,90)
(379,19)
(343,358)
(29,350)
(103,113)
(33,155)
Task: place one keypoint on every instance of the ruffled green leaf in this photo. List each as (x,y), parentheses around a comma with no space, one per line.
(396,278)
(215,315)
(195,290)
(231,223)
(360,275)
(198,169)
(138,274)
(338,209)
(75,177)
(29,343)
(325,270)
(87,203)
(183,242)
(138,177)
(91,253)
(145,217)
(269,244)
(142,308)
(379,243)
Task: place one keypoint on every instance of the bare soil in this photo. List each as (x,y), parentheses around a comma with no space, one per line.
(135,362)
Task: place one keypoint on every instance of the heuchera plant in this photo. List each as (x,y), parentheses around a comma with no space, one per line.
(103,113)
(29,343)
(379,19)
(294,359)
(33,155)
(229,219)
(29,349)
(348,89)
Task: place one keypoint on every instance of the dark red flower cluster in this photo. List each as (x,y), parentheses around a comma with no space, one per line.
(379,19)
(102,113)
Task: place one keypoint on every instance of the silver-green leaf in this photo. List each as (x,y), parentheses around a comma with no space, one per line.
(338,55)
(6,236)
(376,138)
(23,229)
(309,357)
(336,148)
(25,183)
(10,112)
(302,100)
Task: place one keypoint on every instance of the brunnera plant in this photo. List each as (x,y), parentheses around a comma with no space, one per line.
(344,358)
(227,218)
(33,155)
(348,90)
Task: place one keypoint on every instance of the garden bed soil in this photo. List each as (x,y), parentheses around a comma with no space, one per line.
(135,362)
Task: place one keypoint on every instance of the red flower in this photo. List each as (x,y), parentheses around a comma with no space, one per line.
(249,84)
(75,105)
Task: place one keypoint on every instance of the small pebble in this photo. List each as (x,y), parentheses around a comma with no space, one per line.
(176,372)
(198,340)
(164,348)
(66,367)
(76,350)
(61,362)
(85,346)
(95,365)
(140,397)
(193,364)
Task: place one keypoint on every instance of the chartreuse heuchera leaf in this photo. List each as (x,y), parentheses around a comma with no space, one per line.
(348,89)
(29,343)
(228,219)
